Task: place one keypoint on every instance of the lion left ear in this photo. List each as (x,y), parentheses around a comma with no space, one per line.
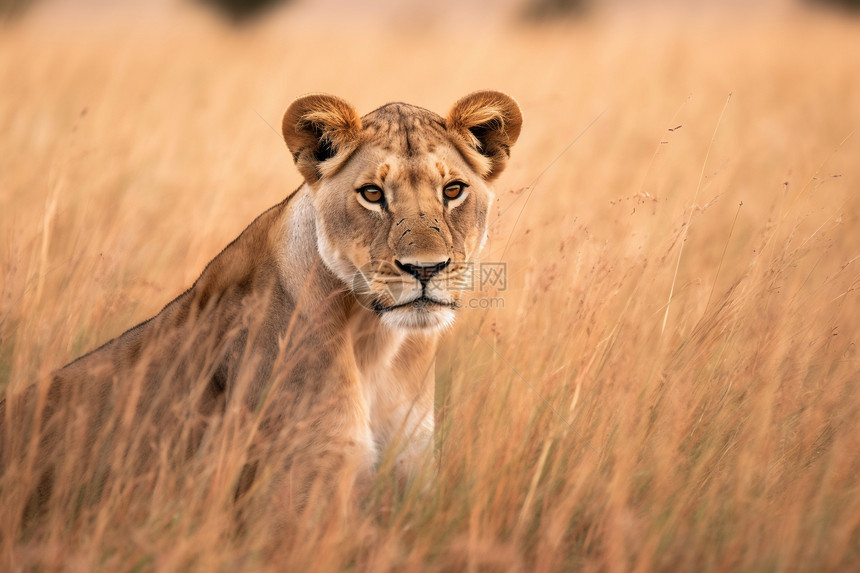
(317,128)
(489,122)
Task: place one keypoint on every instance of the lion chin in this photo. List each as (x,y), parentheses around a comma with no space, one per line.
(420,316)
(421,313)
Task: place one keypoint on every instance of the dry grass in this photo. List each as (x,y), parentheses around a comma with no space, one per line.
(593,423)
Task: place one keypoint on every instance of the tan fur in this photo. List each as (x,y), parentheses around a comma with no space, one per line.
(298,318)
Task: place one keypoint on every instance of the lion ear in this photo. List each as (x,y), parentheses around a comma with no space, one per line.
(489,123)
(318,128)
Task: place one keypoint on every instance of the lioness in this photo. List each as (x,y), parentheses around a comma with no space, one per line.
(323,316)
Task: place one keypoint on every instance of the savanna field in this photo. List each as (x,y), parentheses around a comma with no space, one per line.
(668,379)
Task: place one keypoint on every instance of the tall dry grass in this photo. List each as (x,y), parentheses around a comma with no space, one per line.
(671,384)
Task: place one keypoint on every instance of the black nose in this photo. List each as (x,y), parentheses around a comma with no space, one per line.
(422,272)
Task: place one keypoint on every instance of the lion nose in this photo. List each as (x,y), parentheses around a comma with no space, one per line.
(422,271)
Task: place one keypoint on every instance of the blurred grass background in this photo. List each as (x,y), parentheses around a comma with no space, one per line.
(672,382)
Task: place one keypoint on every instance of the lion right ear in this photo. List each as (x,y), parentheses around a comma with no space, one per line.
(319,128)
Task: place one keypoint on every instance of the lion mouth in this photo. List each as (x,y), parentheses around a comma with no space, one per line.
(422,304)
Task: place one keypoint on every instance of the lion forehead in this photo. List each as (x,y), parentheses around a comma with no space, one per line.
(404,130)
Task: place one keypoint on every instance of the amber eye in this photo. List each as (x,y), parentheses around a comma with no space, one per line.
(371,194)
(454,190)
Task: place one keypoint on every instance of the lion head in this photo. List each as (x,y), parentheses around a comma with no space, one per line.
(402,195)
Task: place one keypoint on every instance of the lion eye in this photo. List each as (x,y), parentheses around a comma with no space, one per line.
(371,194)
(454,190)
